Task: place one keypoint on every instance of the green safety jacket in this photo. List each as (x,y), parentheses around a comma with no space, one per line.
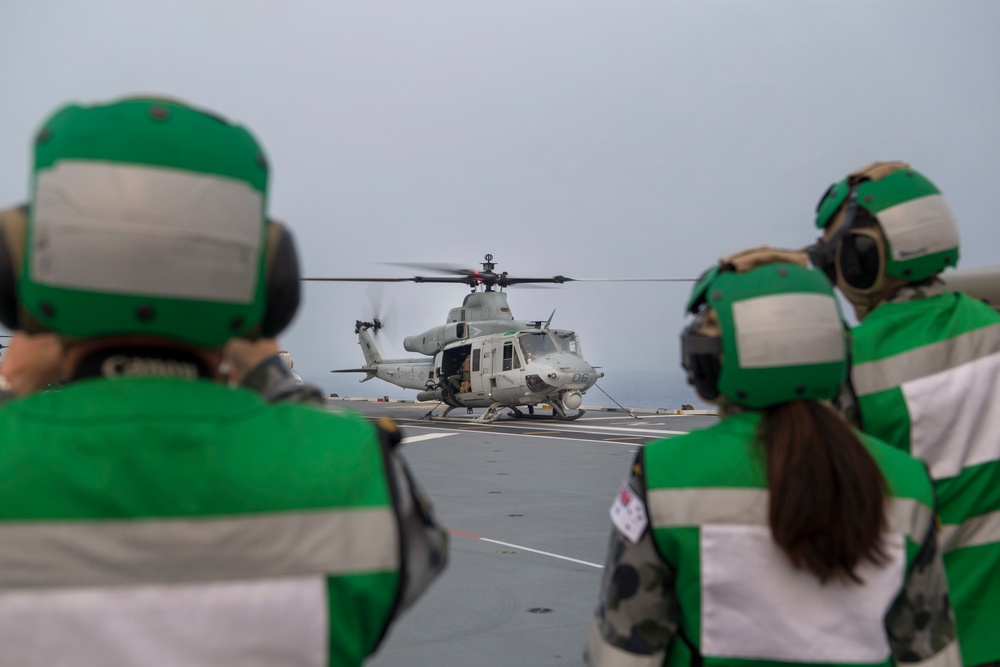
(158,521)
(927,378)
(740,601)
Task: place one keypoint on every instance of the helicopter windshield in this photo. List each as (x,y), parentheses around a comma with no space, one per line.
(568,342)
(535,345)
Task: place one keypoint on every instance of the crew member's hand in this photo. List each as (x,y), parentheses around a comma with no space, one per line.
(241,355)
(751,258)
(31,362)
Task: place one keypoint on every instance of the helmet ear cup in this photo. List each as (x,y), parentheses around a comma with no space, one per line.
(13,223)
(283,280)
(700,354)
(860,260)
(703,374)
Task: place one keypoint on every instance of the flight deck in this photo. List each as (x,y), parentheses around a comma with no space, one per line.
(526,504)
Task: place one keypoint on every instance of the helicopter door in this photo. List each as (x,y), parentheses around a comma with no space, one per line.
(507,379)
(480,371)
(455,367)
(490,365)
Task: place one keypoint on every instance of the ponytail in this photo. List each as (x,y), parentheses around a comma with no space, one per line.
(827,494)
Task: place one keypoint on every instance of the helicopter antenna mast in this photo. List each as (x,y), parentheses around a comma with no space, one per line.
(488,267)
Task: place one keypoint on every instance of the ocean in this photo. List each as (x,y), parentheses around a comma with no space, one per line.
(630,389)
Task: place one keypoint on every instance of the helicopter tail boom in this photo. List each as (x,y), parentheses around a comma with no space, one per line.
(372,356)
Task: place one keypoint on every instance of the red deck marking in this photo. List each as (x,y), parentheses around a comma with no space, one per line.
(458,532)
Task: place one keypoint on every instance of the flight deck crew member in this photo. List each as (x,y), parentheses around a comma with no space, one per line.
(150,514)
(778,535)
(926,369)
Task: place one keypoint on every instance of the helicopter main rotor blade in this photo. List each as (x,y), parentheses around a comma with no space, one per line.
(434,266)
(505,280)
(501,280)
(486,277)
(634,280)
(415,279)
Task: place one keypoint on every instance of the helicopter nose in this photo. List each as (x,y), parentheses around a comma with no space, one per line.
(564,372)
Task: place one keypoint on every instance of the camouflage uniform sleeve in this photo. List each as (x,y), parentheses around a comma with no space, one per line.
(920,623)
(637,613)
(275,382)
(424,542)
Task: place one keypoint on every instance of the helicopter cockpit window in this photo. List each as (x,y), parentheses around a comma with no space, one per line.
(510,358)
(535,345)
(568,342)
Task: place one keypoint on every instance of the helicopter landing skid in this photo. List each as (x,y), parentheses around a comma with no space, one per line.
(491,415)
(568,418)
(557,413)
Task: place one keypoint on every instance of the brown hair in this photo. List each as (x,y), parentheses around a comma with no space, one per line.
(827,494)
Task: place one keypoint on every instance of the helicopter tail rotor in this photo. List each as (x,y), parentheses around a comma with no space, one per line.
(374,326)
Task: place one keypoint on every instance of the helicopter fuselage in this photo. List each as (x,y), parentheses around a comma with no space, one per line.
(516,367)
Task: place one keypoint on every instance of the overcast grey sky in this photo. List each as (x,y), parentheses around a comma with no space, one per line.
(589,139)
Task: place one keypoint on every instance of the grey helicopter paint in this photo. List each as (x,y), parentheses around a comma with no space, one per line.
(522,366)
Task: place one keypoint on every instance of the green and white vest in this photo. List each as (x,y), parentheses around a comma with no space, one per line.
(927,376)
(741,602)
(151,521)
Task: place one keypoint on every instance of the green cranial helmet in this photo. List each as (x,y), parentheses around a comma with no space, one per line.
(921,236)
(779,336)
(146,216)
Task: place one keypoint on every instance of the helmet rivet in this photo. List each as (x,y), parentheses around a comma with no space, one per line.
(783,273)
(237,323)
(47,309)
(907,272)
(717,295)
(44,135)
(145,313)
(262,161)
(159,113)
(869,199)
(801,389)
(741,394)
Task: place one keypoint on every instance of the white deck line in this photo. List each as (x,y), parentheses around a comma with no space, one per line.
(426,436)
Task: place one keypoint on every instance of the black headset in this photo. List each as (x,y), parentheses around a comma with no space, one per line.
(700,357)
(281,273)
(860,258)
(283,280)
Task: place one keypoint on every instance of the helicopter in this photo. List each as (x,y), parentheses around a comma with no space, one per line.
(482,357)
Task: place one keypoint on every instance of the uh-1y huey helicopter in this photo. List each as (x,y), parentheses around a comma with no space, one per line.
(482,357)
